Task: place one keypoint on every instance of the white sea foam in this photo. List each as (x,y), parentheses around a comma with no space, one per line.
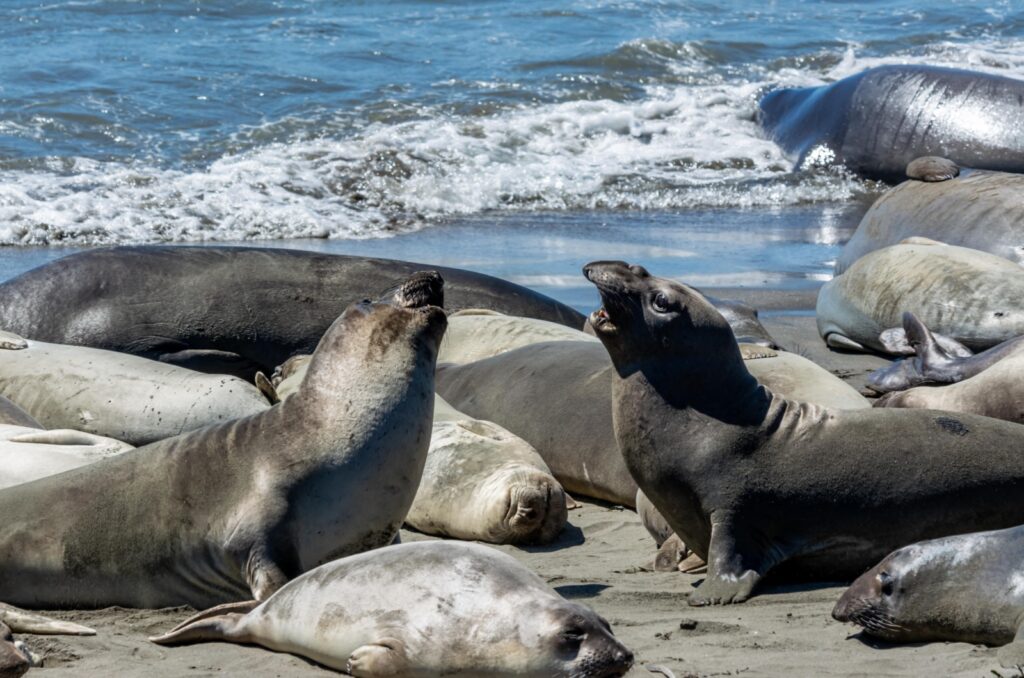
(679,147)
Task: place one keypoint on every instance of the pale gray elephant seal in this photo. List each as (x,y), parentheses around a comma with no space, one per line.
(755,483)
(973,297)
(557,396)
(233,511)
(877,121)
(27,454)
(933,363)
(422,609)
(968,588)
(231,310)
(117,395)
(15,657)
(980,210)
(13,415)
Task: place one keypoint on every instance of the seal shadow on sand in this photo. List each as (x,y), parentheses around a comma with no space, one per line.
(570,535)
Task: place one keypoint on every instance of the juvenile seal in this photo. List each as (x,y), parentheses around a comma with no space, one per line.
(118,395)
(231,310)
(968,588)
(27,454)
(422,609)
(557,396)
(980,210)
(875,122)
(755,483)
(255,502)
(973,297)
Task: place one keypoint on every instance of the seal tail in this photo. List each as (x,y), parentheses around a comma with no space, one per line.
(222,622)
(21,621)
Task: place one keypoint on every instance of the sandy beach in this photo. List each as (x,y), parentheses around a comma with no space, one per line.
(602,559)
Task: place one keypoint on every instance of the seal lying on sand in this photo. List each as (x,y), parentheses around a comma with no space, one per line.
(557,396)
(232,310)
(932,362)
(120,396)
(27,454)
(15,658)
(755,483)
(877,121)
(973,297)
(981,210)
(233,511)
(968,588)
(422,609)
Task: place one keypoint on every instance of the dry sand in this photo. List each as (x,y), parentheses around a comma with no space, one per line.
(600,560)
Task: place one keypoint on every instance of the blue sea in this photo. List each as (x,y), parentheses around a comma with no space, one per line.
(518,138)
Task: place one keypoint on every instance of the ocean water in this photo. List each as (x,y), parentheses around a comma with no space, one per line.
(126,121)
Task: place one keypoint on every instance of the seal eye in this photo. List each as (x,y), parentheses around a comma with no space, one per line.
(573,636)
(885,579)
(660,303)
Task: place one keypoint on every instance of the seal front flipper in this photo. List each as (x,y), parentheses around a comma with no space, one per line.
(386,657)
(1012,655)
(263,574)
(843,343)
(734,567)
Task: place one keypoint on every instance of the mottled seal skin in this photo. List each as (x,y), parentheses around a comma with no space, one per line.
(876,122)
(557,396)
(485,483)
(933,363)
(755,483)
(232,310)
(233,511)
(967,588)
(973,297)
(12,415)
(980,210)
(391,613)
(27,454)
(120,396)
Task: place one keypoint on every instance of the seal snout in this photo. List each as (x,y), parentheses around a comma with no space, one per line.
(613,280)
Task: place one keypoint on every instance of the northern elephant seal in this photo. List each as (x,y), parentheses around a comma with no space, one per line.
(973,297)
(483,482)
(225,309)
(557,396)
(118,395)
(233,511)
(876,122)
(15,657)
(756,483)
(981,210)
(27,454)
(967,588)
(423,609)
(480,480)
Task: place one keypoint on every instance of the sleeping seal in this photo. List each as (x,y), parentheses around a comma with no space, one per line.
(973,297)
(557,396)
(120,396)
(233,511)
(27,454)
(875,122)
(232,310)
(423,609)
(756,483)
(968,588)
(980,210)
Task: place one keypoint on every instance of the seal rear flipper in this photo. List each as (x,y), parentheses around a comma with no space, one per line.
(21,621)
(1012,655)
(843,343)
(223,627)
(243,607)
(266,387)
(386,657)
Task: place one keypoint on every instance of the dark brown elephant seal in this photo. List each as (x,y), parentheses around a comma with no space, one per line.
(967,588)
(755,483)
(233,511)
(232,310)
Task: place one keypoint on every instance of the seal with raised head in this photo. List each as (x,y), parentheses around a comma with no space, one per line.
(117,395)
(233,511)
(967,588)
(876,122)
(755,483)
(422,609)
(979,210)
(971,296)
(232,310)
(557,396)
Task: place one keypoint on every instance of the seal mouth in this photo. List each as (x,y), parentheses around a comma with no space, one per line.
(601,321)
(616,299)
(421,290)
